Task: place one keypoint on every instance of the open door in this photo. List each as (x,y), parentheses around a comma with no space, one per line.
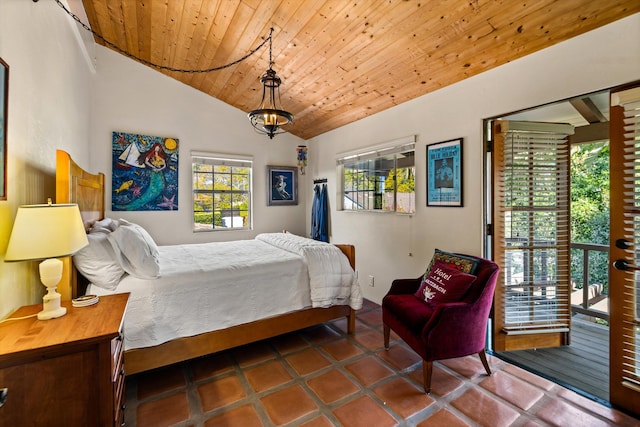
(531,236)
(624,272)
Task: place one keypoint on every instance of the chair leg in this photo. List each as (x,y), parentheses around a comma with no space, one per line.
(386,332)
(485,362)
(427,369)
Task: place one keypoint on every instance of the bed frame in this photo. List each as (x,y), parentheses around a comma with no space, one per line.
(75,185)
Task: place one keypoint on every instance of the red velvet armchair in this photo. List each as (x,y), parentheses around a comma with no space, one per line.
(443,331)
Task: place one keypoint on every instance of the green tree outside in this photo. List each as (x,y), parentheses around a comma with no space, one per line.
(590,209)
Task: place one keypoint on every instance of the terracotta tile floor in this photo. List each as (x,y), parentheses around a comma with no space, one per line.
(323,377)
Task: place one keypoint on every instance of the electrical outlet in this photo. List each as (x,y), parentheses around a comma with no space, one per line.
(371,280)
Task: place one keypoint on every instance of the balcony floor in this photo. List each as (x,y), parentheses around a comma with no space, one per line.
(582,366)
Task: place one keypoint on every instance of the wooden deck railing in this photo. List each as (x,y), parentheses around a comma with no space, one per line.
(584,308)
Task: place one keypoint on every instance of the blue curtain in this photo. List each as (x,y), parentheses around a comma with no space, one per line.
(320,214)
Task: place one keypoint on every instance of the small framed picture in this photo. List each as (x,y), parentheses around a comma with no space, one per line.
(444,173)
(282,185)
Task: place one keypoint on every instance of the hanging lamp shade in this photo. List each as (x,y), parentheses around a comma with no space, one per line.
(269,118)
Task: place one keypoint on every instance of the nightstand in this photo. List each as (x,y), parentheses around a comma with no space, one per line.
(67,371)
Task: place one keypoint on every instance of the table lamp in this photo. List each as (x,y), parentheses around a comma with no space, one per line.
(47,232)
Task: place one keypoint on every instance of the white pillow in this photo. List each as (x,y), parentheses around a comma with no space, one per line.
(98,262)
(106,225)
(135,249)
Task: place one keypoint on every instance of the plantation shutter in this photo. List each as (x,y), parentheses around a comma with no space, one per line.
(532,306)
(624,286)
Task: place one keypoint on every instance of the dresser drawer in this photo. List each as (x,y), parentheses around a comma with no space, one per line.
(119,408)
(117,347)
(118,378)
(118,382)
(120,418)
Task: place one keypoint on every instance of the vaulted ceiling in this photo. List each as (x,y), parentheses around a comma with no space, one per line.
(340,60)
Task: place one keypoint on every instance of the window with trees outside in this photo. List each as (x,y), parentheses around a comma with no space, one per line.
(221,192)
(380,178)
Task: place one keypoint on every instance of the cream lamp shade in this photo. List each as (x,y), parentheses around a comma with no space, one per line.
(47,232)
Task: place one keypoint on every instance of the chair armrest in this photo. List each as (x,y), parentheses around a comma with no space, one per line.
(458,328)
(445,311)
(405,286)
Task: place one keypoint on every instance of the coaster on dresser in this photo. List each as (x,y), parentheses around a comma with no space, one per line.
(85,300)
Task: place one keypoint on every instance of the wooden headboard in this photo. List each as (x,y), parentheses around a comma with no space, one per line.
(76,185)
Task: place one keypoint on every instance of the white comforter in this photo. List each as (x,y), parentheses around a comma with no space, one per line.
(331,278)
(212,286)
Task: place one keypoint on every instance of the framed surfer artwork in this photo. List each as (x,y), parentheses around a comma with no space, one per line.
(282,184)
(144,172)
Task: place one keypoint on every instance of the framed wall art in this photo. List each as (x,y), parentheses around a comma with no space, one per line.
(444,173)
(4,106)
(282,185)
(145,172)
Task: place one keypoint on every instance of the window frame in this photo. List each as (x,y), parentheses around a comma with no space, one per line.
(214,160)
(374,156)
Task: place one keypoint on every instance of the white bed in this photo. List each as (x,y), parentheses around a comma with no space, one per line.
(213,286)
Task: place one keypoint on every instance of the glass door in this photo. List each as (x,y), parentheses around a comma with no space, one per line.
(624,272)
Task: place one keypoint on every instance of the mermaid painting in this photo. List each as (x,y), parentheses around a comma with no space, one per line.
(153,172)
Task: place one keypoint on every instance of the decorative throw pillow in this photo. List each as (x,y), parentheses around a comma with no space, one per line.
(444,284)
(98,262)
(136,250)
(463,263)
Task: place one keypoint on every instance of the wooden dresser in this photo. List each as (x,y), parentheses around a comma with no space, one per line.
(67,371)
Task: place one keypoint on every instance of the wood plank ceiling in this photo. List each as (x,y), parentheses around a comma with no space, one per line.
(341,60)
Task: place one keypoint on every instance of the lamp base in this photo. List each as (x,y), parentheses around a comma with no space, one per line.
(52,314)
(51,306)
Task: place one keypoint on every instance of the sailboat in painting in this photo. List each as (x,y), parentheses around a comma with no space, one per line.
(129,157)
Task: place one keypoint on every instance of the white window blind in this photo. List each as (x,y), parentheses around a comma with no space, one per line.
(394,147)
(221,159)
(532,205)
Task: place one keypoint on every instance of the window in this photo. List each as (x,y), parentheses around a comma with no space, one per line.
(531,221)
(379,179)
(221,192)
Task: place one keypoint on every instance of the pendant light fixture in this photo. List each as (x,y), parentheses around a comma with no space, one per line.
(269,119)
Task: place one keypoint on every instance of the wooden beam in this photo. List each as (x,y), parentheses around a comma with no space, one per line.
(591,133)
(588,110)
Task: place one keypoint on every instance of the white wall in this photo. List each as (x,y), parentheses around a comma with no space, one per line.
(49,106)
(130,97)
(600,59)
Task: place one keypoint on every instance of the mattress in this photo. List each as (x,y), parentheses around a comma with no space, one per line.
(212,286)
